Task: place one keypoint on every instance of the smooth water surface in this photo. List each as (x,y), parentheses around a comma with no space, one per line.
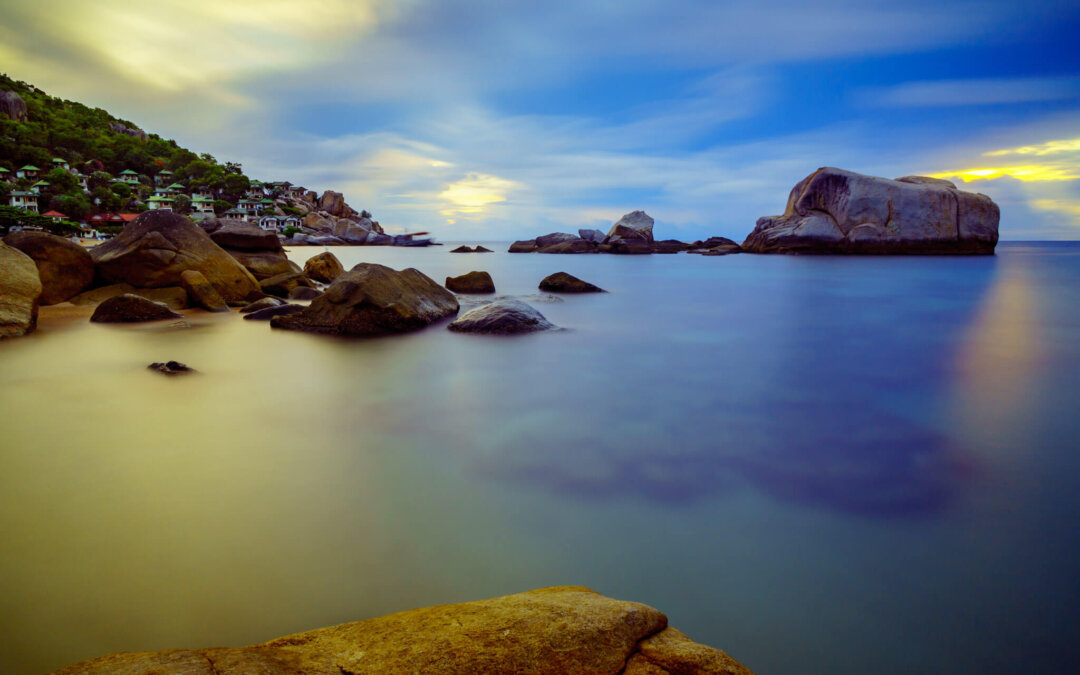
(819,464)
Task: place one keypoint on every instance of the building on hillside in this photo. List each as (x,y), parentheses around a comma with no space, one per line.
(130,177)
(202,205)
(83,181)
(204,192)
(23,200)
(160,202)
(28,171)
(295,191)
(266,204)
(37,187)
(163,177)
(87,231)
(60,164)
(4,173)
(55,215)
(175,188)
(278,223)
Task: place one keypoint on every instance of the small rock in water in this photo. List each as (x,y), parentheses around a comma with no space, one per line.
(262,304)
(473,282)
(561,282)
(504,316)
(171,368)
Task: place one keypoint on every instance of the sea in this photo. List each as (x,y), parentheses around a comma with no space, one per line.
(819,464)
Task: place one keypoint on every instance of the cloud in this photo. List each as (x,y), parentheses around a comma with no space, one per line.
(973,92)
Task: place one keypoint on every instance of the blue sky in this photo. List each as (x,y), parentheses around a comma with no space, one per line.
(477,119)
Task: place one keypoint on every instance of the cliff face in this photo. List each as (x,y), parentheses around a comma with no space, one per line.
(566,629)
(12,105)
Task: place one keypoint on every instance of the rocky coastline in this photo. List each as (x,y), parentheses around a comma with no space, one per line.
(563,629)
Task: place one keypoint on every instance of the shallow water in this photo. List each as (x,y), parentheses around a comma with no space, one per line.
(818,464)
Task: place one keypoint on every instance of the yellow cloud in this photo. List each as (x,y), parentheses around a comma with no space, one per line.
(474,194)
(1062,163)
(1047,148)
(1065,206)
(1027,172)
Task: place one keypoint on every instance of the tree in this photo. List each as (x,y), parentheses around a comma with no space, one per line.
(99,179)
(75,207)
(182,204)
(62,181)
(221,206)
(122,190)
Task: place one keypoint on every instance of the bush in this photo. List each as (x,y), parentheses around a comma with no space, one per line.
(291,230)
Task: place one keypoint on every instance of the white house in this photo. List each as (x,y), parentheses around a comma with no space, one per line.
(200,204)
(130,177)
(278,223)
(60,163)
(23,200)
(28,171)
(160,202)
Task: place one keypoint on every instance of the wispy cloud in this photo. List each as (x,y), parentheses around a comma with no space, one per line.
(973,92)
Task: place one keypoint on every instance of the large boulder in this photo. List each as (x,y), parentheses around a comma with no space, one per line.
(334,204)
(354,231)
(504,316)
(837,211)
(127,308)
(473,282)
(201,292)
(523,246)
(566,629)
(20,292)
(373,300)
(318,223)
(174,297)
(324,267)
(570,246)
(65,268)
(555,238)
(634,226)
(155,248)
(595,236)
(282,284)
(561,282)
(243,236)
(13,106)
(264,264)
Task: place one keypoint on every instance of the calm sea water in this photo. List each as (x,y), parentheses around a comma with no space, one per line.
(818,464)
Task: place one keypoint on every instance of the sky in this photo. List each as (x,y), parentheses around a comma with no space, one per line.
(507,119)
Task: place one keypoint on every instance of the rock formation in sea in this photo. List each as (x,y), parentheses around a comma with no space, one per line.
(155,248)
(473,282)
(283,284)
(503,316)
(324,267)
(65,268)
(20,292)
(631,234)
(837,211)
(371,300)
(565,629)
(561,282)
(258,250)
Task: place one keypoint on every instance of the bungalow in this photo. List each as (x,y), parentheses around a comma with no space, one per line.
(295,191)
(4,173)
(266,204)
(28,171)
(60,164)
(278,223)
(163,176)
(254,192)
(200,204)
(23,200)
(88,232)
(248,206)
(82,181)
(37,187)
(175,188)
(55,215)
(130,177)
(160,202)
(204,192)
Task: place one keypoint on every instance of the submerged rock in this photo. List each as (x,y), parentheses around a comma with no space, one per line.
(65,268)
(473,282)
(262,304)
(371,300)
(127,308)
(837,211)
(561,282)
(20,292)
(324,267)
(504,316)
(267,313)
(155,248)
(482,249)
(171,368)
(565,629)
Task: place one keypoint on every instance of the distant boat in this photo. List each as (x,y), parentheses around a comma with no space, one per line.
(410,240)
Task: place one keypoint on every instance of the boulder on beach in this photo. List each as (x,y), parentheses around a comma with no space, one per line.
(20,292)
(504,316)
(565,629)
(65,268)
(128,308)
(282,284)
(238,234)
(324,267)
(473,282)
(264,264)
(317,222)
(155,248)
(561,282)
(261,304)
(201,292)
(837,211)
(174,297)
(267,313)
(371,300)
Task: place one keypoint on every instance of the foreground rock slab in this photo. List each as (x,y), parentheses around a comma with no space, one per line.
(837,211)
(371,300)
(561,282)
(566,629)
(128,308)
(504,316)
(65,269)
(20,292)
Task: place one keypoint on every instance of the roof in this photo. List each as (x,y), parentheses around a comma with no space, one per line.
(201,199)
(165,172)
(57,159)
(54,214)
(266,201)
(177,185)
(20,193)
(129,172)
(235,211)
(159,198)
(29,167)
(41,182)
(128,217)
(3,170)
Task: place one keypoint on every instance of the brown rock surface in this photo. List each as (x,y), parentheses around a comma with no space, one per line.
(175,297)
(238,234)
(567,629)
(371,300)
(155,248)
(20,292)
(65,268)
(264,264)
(201,292)
(12,105)
(324,267)
(127,308)
(561,282)
(334,204)
(282,284)
(473,282)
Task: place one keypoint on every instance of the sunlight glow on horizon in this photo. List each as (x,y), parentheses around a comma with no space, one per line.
(473,194)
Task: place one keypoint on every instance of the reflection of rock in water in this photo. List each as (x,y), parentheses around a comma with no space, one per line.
(846,457)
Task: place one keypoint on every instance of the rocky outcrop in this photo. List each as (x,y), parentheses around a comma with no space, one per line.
(324,267)
(504,316)
(128,131)
(127,308)
(634,226)
(201,292)
(238,234)
(565,629)
(523,246)
(473,282)
(595,236)
(282,284)
(561,282)
(304,293)
(837,211)
(264,264)
(20,292)
(174,297)
(65,268)
(371,300)
(155,248)
(13,106)
(317,223)
(334,204)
